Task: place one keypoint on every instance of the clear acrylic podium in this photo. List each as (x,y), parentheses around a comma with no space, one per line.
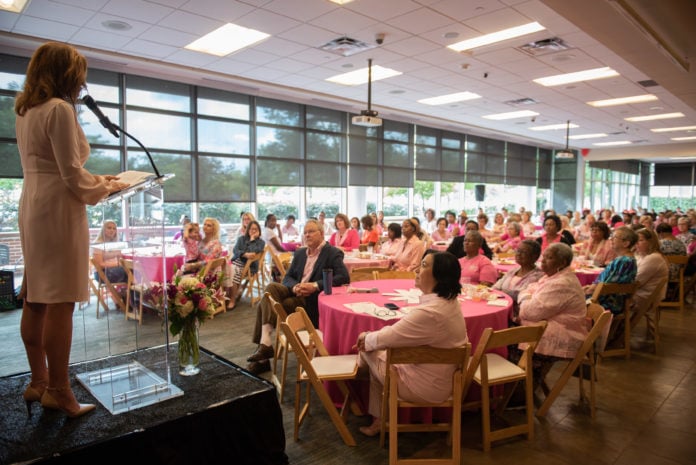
(120,332)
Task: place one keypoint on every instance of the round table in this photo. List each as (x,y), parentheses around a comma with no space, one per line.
(150,259)
(341,326)
(354,263)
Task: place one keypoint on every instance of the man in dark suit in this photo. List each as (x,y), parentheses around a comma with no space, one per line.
(301,287)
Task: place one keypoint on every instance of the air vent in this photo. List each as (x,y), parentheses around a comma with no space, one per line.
(545,46)
(648,83)
(345,46)
(522,101)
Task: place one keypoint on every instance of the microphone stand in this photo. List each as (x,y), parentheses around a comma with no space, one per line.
(149,157)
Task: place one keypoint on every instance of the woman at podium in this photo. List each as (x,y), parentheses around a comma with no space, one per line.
(53,219)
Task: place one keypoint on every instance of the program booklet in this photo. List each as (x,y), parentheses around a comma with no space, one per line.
(134,179)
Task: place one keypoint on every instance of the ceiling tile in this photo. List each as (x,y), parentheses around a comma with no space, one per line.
(99,39)
(420,21)
(228,11)
(60,13)
(44,29)
(191,23)
(137,9)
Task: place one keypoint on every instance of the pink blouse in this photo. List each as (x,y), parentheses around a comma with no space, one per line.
(478,269)
(348,241)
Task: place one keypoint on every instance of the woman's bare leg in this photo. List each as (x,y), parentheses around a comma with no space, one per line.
(31,329)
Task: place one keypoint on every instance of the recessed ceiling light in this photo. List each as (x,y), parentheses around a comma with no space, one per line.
(449,98)
(551,127)
(359,76)
(15,6)
(623,100)
(341,2)
(578,76)
(498,36)
(511,115)
(680,128)
(227,39)
(616,142)
(115,25)
(636,119)
(684,138)
(588,136)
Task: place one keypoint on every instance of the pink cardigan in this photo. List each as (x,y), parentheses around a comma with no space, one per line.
(560,300)
(350,241)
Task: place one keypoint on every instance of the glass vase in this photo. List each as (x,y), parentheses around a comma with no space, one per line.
(188,351)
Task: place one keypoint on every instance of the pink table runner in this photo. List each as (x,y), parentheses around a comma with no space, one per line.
(152,265)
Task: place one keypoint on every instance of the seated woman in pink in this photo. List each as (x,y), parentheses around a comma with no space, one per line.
(409,254)
(478,269)
(344,237)
(441,234)
(599,248)
(190,241)
(513,239)
(393,243)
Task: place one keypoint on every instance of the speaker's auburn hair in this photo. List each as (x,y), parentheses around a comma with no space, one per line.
(55,70)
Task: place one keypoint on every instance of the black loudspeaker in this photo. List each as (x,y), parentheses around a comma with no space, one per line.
(480,192)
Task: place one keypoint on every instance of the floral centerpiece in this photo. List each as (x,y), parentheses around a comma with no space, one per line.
(191,299)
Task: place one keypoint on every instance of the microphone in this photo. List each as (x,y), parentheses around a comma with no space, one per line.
(103,119)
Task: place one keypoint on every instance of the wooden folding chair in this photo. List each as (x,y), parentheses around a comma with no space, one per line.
(254,281)
(316,367)
(110,289)
(601,319)
(682,261)
(459,357)
(136,285)
(97,288)
(282,262)
(490,369)
(361,275)
(282,348)
(621,321)
(651,312)
(395,274)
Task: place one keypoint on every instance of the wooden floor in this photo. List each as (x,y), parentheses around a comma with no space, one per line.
(646,406)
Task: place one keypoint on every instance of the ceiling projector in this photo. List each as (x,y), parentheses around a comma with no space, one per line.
(367,118)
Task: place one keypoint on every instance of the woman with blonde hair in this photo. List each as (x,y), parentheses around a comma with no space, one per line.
(53,219)
(107,260)
(652,267)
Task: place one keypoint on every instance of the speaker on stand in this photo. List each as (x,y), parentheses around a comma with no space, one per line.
(480,192)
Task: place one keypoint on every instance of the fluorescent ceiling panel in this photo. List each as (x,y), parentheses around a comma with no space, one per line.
(588,136)
(552,127)
(623,100)
(498,36)
(227,39)
(679,128)
(15,6)
(511,115)
(449,98)
(616,142)
(359,76)
(578,76)
(637,119)
(684,138)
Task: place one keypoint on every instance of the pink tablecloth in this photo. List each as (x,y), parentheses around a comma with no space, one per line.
(152,265)
(439,247)
(341,325)
(353,263)
(291,246)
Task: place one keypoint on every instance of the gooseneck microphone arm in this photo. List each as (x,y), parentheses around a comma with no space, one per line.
(113,128)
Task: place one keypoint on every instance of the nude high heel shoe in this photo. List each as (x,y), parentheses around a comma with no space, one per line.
(33,394)
(50,400)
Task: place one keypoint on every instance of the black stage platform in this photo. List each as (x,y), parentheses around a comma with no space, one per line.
(225,416)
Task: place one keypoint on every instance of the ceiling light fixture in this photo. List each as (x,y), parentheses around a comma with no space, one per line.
(623,100)
(680,128)
(449,98)
(616,142)
(684,138)
(588,136)
(227,39)
(566,154)
(586,75)
(552,127)
(15,6)
(368,118)
(363,75)
(495,37)
(511,115)
(654,117)
(341,2)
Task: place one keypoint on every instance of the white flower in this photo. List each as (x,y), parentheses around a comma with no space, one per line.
(188,283)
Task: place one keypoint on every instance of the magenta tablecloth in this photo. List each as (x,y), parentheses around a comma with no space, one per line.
(341,326)
(152,266)
(291,246)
